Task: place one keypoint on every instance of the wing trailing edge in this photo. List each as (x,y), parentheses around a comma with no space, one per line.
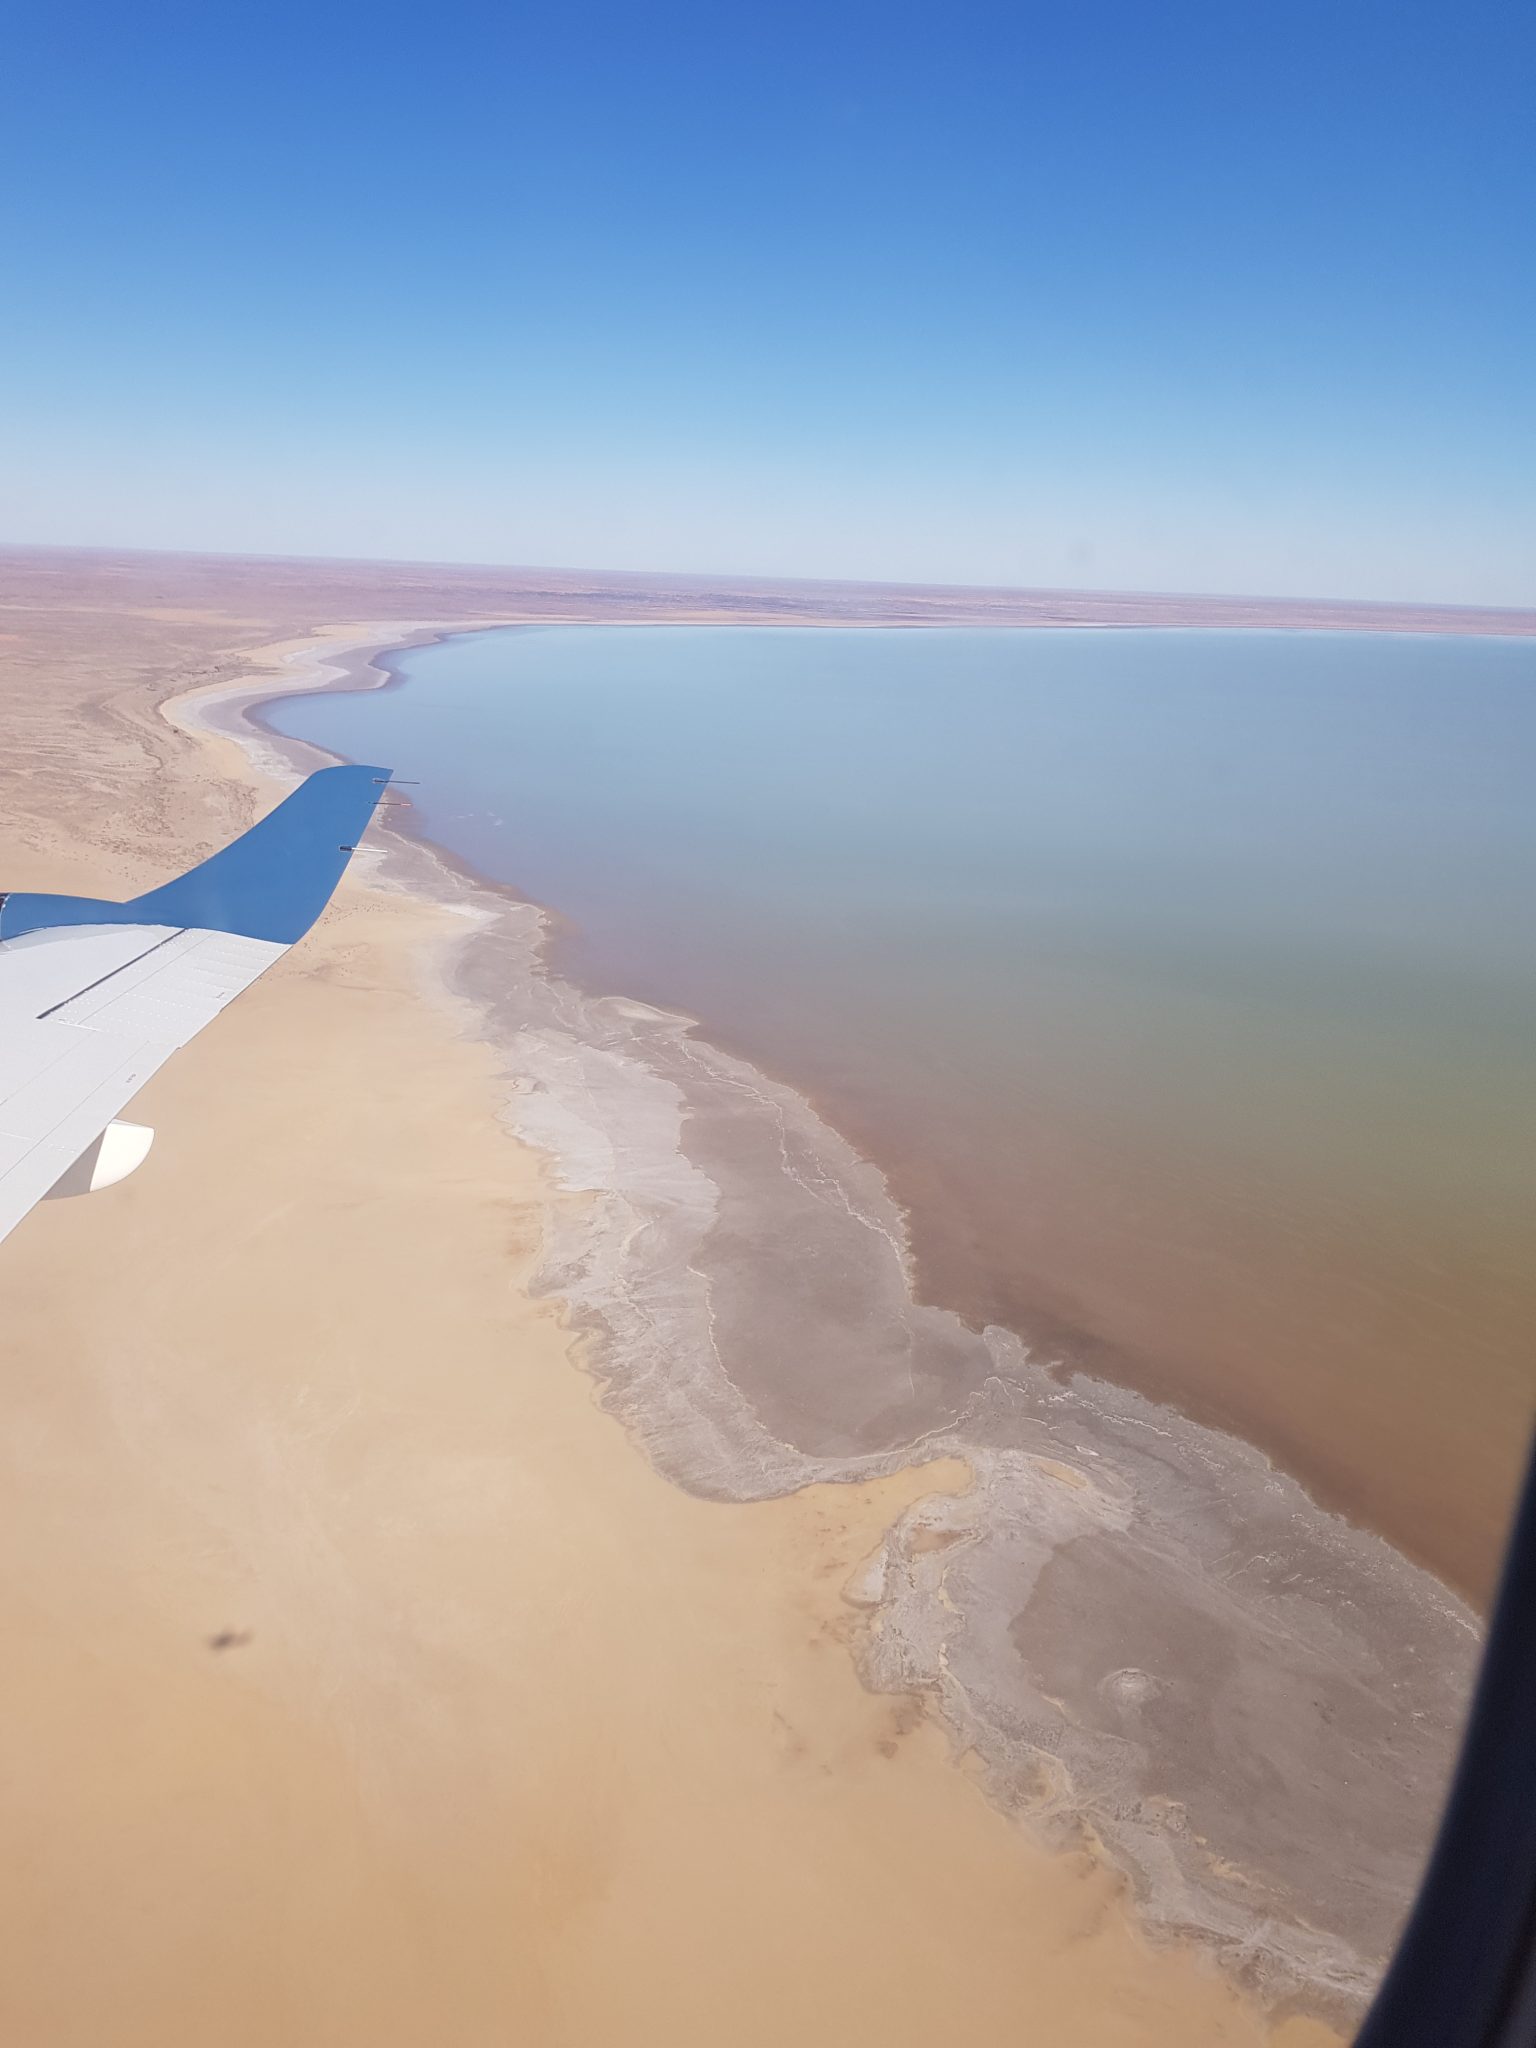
(270,883)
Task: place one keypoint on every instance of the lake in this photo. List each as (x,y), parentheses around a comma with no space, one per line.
(1183,984)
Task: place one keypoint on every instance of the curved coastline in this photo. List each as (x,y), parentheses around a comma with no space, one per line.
(1151,1641)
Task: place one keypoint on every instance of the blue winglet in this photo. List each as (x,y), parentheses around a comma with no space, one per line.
(272,883)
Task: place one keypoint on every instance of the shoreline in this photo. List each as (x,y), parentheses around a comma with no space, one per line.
(369,1685)
(1091,1752)
(501,1708)
(1072,1348)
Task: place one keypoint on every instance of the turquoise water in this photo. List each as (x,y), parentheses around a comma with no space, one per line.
(1183,983)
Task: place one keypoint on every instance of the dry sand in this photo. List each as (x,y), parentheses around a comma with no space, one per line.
(509,1740)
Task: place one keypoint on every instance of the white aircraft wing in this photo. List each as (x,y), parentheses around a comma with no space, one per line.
(95,996)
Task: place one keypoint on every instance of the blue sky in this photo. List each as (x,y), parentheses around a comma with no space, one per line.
(1180,296)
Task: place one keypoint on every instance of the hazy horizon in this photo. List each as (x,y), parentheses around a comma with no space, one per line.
(725,570)
(727,579)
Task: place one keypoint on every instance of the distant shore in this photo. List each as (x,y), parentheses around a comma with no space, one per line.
(309,589)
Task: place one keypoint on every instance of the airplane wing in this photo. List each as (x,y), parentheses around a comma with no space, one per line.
(95,996)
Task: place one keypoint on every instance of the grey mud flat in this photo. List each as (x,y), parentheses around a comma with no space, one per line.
(1146,1634)
(1151,1640)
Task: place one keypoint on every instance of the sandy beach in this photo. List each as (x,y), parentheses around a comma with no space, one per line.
(366,1683)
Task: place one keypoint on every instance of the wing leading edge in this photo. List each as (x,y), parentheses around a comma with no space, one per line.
(95,996)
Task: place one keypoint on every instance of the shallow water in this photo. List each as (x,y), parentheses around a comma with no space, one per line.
(1182,983)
